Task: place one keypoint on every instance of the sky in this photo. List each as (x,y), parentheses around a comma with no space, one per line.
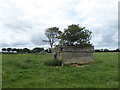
(23,22)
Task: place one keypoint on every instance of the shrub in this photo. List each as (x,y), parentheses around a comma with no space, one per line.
(53,63)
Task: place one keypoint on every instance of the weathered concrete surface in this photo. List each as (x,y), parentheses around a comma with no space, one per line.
(73,54)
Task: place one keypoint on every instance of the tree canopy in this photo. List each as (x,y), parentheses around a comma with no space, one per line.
(52,34)
(75,35)
(37,49)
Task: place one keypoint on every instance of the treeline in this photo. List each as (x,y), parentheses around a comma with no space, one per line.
(38,50)
(25,50)
(106,50)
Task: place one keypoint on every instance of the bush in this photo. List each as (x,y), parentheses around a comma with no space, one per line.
(53,63)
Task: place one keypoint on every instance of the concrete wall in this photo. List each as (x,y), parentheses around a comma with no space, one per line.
(72,54)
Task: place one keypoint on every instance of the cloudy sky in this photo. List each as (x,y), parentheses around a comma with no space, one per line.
(22,22)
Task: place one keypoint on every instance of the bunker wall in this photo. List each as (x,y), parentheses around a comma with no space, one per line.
(74,54)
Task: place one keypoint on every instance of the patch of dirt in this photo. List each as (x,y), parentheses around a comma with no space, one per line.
(76,65)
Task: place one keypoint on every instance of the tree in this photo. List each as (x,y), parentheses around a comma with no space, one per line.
(97,50)
(75,35)
(52,34)
(37,49)
(3,49)
(26,50)
(8,49)
(19,50)
(106,50)
(117,50)
(101,50)
(13,49)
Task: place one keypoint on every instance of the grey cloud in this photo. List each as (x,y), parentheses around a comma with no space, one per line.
(18,26)
(16,19)
(109,35)
(4,45)
(16,44)
(38,38)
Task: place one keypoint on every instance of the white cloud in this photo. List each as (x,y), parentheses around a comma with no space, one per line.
(26,20)
(100,16)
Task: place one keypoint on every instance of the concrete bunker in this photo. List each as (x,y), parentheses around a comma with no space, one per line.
(74,54)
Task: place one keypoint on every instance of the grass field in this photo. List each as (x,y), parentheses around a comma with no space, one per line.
(29,71)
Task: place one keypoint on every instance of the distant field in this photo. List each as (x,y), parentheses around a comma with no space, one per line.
(29,71)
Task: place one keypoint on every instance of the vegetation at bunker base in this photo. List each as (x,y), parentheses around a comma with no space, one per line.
(29,71)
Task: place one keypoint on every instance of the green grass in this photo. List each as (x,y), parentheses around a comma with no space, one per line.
(29,71)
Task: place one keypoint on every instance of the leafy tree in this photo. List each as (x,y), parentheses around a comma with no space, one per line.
(101,50)
(26,50)
(106,50)
(117,50)
(13,49)
(37,50)
(19,50)
(52,34)
(8,49)
(97,50)
(75,35)
(4,49)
